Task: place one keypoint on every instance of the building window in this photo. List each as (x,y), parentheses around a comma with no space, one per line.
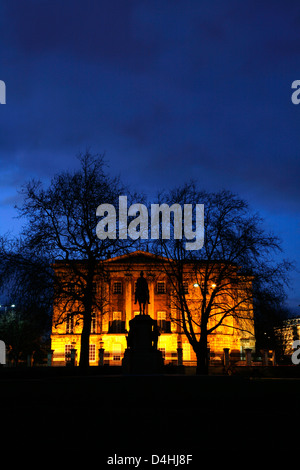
(163,351)
(70,323)
(185,287)
(163,324)
(117,287)
(117,316)
(117,352)
(161,287)
(186,351)
(68,348)
(92,353)
(117,325)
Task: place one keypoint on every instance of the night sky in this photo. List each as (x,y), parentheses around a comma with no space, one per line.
(168,89)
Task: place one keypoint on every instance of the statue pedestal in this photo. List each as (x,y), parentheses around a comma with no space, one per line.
(141,355)
(142,362)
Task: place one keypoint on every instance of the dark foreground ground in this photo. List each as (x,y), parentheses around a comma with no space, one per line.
(130,415)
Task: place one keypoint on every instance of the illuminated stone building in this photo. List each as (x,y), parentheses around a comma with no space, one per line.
(110,328)
(285,336)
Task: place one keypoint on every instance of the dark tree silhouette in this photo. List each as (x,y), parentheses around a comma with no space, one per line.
(59,240)
(236,257)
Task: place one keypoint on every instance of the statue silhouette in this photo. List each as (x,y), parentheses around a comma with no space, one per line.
(142,293)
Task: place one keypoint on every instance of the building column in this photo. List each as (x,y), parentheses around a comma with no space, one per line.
(226,357)
(128,300)
(179,351)
(101,357)
(73,357)
(151,299)
(104,319)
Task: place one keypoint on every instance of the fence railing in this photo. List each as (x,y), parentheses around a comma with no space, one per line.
(226,359)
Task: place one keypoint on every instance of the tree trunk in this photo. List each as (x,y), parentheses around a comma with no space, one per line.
(202,356)
(87,318)
(85,342)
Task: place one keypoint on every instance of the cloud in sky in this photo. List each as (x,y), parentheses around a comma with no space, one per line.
(169,90)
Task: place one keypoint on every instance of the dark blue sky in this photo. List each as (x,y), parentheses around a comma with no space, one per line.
(168,89)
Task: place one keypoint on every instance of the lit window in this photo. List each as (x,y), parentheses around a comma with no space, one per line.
(163,351)
(163,324)
(117,287)
(117,316)
(117,325)
(161,287)
(68,348)
(185,288)
(186,351)
(92,352)
(117,351)
(161,315)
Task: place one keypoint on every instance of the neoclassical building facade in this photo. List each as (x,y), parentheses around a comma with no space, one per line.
(110,324)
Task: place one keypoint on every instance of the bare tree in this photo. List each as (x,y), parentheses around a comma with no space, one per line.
(237,254)
(61,231)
